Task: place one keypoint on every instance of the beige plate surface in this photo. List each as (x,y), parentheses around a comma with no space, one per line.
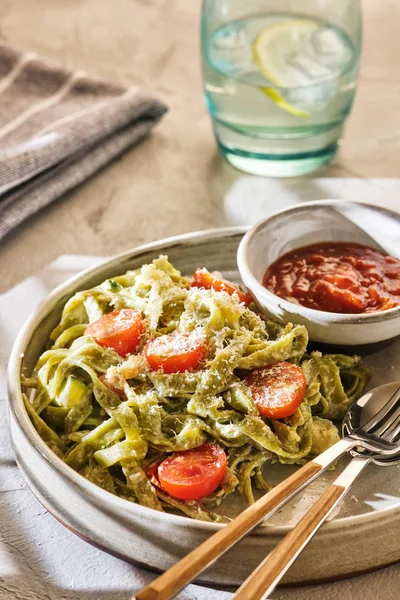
(363,535)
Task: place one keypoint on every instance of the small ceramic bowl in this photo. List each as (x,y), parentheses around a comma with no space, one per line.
(309,223)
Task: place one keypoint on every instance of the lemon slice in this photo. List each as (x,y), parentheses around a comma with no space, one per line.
(278,52)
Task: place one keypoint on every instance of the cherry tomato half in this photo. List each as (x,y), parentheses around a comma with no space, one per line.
(119,330)
(193,474)
(277,390)
(175,353)
(204,279)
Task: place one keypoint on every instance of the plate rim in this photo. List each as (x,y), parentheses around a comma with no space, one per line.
(17,408)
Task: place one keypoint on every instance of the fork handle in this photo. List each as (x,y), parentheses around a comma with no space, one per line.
(268,574)
(172,581)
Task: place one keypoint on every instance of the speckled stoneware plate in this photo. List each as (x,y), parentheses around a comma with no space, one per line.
(364,533)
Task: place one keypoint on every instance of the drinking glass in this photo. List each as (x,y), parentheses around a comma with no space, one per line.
(280,78)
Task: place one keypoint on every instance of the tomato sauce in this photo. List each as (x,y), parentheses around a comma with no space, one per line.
(338,277)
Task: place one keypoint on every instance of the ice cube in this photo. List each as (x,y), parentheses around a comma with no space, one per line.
(330,47)
(321,56)
(231,37)
(308,66)
(313,97)
(230,50)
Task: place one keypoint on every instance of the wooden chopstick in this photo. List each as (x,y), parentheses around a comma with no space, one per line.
(180,574)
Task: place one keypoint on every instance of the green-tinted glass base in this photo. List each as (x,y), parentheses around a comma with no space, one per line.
(275,165)
(278,152)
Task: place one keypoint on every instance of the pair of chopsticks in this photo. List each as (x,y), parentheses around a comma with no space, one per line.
(264,579)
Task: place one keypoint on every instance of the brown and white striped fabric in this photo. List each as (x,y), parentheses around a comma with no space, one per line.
(57,128)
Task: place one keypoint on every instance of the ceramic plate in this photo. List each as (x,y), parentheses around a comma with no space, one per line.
(370,512)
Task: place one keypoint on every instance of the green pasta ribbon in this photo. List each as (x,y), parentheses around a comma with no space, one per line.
(112,430)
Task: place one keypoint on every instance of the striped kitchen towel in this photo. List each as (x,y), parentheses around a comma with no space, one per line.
(57,128)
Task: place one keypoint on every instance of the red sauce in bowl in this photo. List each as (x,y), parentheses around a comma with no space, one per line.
(338,277)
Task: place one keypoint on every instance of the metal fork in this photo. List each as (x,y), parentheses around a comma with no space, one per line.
(383,429)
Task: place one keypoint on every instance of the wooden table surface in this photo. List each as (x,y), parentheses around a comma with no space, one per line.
(175,181)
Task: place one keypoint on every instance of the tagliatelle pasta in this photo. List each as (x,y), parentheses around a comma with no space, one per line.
(111,417)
